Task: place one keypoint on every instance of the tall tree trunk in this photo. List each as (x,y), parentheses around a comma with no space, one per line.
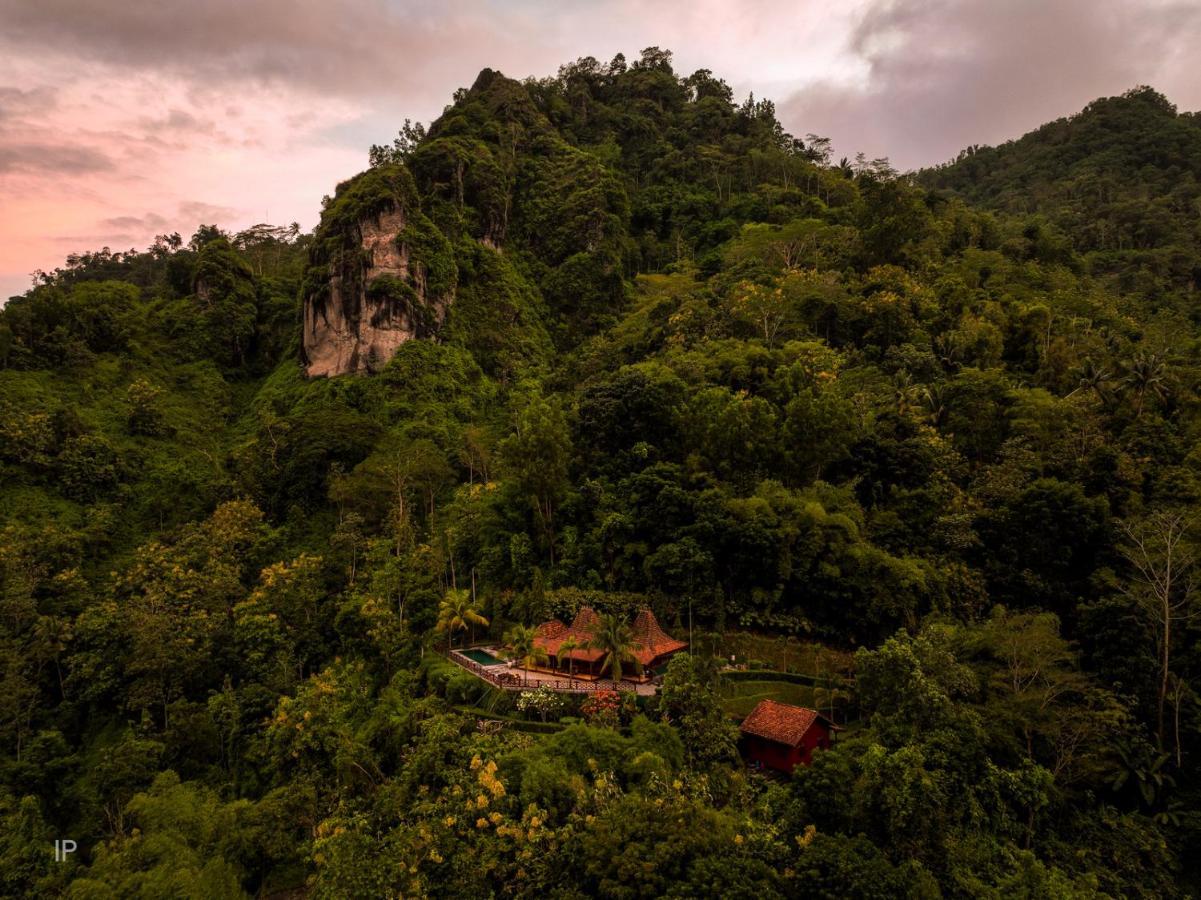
(1163,670)
(1176,717)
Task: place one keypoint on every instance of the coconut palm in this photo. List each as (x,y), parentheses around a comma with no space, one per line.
(1093,378)
(568,645)
(904,393)
(615,640)
(522,646)
(1146,373)
(935,399)
(455,613)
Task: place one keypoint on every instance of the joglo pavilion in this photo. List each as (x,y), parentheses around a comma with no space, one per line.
(653,646)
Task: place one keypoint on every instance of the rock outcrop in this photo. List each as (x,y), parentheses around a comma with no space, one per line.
(380,274)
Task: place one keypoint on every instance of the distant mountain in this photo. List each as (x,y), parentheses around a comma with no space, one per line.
(1122,178)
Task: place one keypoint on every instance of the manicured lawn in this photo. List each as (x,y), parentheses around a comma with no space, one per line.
(784,654)
(740,697)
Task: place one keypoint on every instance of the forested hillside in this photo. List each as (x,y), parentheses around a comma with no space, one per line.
(941,432)
(1120,181)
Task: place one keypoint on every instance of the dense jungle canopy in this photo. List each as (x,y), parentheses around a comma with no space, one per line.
(944,425)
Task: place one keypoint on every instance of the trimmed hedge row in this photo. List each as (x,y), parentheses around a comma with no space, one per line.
(791,677)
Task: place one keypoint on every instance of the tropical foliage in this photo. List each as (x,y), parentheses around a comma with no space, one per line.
(455,613)
(943,424)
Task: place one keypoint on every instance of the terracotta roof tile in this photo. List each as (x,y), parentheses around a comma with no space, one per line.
(551,630)
(780,722)
(550,636)
(652,640)
(585,621)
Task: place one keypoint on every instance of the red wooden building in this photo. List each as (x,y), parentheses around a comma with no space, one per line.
(781,736)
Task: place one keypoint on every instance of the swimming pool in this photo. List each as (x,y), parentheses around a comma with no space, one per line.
(483,657)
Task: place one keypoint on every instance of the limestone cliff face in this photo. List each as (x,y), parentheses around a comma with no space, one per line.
(380,274)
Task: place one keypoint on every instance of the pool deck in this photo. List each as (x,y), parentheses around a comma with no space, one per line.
(515,678)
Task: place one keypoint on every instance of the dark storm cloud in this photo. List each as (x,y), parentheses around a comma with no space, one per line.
(49,158)
(943,75)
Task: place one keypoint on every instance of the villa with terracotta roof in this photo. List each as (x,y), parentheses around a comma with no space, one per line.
(781,736)
(654,645)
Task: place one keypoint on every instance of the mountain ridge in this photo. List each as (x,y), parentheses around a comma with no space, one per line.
(613,340)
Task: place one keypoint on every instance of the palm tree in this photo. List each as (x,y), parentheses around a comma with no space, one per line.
(565,648)
(456,613)
(615,640)
(1093,378)
(54,634)
(904,392)
(935,399)
(1146,372)
(521,644)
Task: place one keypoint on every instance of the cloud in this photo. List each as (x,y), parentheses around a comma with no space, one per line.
(125,229)
(108,111)
(175,120)
(148,222)
(943,75)
(324,45)
(15,101)
(49,158)
(413,53)
(206,212)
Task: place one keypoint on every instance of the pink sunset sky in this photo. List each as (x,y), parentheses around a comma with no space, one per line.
(120,121)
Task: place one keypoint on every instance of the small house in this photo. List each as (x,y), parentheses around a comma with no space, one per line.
(781,736)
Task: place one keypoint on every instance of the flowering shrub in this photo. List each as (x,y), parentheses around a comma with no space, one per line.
(608,708)
(542,701)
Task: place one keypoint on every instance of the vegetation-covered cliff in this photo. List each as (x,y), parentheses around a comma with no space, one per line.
(613,338)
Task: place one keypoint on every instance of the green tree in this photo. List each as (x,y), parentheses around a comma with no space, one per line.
(145,412)
(537,454)
(225,304)
(819,430)
(186,846)
(638,847)
(409,139)
(615,639)
(1146,374)
(1039,694)
(566,647)
(689,699)
(457,612)
(521,644)
(177,604)
(26,869)
(1161,552)
(763,307)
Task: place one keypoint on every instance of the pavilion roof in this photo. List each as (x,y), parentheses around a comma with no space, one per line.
(652,641)
(551,630)
(586,621)
(551,635)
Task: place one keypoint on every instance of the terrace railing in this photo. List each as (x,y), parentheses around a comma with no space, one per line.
(508,680)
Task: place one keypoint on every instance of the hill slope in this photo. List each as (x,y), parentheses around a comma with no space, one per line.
(1121,179)
(617,341)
